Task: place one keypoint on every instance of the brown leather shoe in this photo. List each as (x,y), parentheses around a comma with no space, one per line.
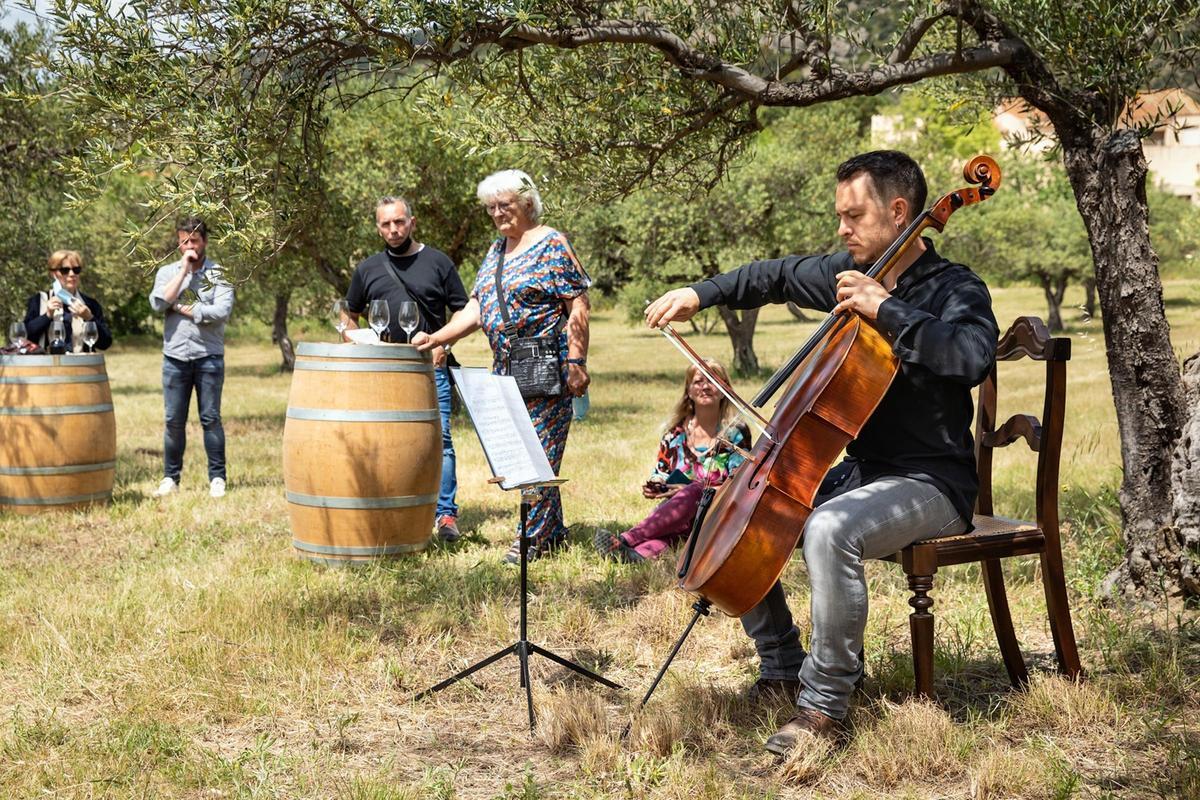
(807,722)
(772,690)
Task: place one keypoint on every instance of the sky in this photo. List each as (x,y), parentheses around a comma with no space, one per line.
(14,13)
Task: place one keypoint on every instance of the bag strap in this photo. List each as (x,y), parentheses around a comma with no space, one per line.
(510,330)
(395,273)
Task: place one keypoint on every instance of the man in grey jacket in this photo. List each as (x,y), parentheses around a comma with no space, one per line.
(197,301)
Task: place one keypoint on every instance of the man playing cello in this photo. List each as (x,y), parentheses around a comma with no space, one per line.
(910,474)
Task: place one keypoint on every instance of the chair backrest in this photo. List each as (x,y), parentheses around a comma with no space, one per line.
(1027,337)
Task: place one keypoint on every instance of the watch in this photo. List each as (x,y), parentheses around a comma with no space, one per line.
(582,362)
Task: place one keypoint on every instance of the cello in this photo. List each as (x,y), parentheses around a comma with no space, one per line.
(747,529)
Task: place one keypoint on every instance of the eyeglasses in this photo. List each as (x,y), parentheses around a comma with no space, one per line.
(504,207)
(65,270)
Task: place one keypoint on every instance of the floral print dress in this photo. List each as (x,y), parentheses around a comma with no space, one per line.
(698,464)
(538,284)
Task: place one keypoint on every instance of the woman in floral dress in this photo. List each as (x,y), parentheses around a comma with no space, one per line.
(702,444)
(545,292)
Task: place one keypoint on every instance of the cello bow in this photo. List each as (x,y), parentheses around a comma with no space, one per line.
(747,410)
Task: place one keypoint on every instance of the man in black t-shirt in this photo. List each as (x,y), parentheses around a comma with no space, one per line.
(410,270)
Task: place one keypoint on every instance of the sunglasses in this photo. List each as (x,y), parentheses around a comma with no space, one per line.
(65,270)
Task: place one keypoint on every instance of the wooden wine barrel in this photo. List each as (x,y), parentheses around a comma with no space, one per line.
(58,436)
(362,451)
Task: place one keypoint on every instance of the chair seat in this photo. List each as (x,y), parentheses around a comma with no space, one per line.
(993,537)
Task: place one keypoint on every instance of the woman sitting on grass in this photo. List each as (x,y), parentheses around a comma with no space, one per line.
(697,450)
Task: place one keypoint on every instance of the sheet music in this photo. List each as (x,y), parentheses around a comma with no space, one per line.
(502,423)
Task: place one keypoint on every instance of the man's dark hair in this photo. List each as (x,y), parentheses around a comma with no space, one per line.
(192,225)
(893,174)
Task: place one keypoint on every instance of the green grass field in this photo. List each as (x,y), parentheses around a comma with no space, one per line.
(177,649)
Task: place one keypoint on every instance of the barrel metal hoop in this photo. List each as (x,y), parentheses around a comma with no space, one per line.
(72,360)
(303,364)
(378,550)
(391,352)
(99,377)
(342,415)
(50,411)
(69,469)
(54,501)
(359,503)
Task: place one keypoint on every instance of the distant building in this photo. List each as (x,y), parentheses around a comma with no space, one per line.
(1172,151)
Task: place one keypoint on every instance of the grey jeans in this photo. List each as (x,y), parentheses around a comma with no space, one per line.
(853,521)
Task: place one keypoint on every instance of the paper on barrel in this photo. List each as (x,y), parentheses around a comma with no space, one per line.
(362,336)
(502,423)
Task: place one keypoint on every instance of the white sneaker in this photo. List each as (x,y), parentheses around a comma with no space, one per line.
(166,487)
(216,488)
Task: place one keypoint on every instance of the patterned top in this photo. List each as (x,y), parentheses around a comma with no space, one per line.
(698,463)
(537,284)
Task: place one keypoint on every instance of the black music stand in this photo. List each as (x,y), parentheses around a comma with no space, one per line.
(509,442)
(522,648)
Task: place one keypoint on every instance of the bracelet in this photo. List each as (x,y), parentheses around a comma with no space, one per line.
(580,362)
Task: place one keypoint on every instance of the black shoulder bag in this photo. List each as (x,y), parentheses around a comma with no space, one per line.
(532,360)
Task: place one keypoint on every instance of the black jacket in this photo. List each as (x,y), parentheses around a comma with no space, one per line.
(37,324)
(940,323)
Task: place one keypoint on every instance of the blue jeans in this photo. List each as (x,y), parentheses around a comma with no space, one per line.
(853,520)
(445,503)
(207,376)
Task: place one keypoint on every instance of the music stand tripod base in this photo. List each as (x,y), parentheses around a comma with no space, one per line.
(522,648)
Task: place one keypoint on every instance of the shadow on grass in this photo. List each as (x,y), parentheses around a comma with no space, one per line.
(260,482)
(1181,302)
(130,496)
(1154,668)
(253,423)
(136,389)
(269,370)
(607,414)
(671,378)
(443,588)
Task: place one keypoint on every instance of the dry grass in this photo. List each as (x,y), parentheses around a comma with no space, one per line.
(177,649)
(1007,774)
(913,741)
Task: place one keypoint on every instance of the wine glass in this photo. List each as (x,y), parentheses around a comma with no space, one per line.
(380,316)
(17,334)
(91,335)
(340,311)
(409,318)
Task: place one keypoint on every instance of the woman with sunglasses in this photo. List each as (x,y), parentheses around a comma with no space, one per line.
(65,301)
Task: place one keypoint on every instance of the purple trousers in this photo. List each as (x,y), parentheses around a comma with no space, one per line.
(667,524)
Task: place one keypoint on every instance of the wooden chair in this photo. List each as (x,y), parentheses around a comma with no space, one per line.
(995,537)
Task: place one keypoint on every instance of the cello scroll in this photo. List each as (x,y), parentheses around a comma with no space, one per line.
(981,170)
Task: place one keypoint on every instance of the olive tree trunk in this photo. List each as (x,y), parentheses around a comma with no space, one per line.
(1184,538)
(1089,297)
(1108,175)
(279,331)
(1054,287)
(798,312)
(741,334)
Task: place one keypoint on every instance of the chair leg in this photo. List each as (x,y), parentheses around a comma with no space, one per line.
(920,563)
(1059,612)
(1010,651)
